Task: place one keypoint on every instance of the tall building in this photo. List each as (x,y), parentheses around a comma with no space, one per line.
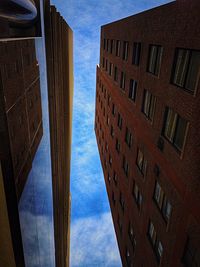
(25,194)
(147,128)
(59,49)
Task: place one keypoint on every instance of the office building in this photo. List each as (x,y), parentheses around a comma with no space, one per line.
(147,128)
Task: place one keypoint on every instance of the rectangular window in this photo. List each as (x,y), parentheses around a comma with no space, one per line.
(104,43)
(113,109)
(110,69)
(149,102)
(125,166)
(125,51)
(107,45)
(162,202)
(115,177)
(121,201)
(103,63)
(108,120)
(155,242)
(115,74)
(106,65)
(112,131)
(117,51)
(122,80)
(191,254)
(110,160)
(186,69)
(109,99)
(113,198)
(132,89)
(131,235)
(128,137)
(137,195)
(118,145)
(111,46)
(119,121)
(174,128)
(136,53)
(141,162)
(154,59)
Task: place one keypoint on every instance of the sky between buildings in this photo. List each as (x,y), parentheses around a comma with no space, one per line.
(93,241)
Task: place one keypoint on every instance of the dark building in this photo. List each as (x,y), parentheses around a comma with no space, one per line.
(147,128)
(21,126)
(59,49)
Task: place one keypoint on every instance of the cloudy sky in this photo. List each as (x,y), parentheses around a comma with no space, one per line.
(93,241)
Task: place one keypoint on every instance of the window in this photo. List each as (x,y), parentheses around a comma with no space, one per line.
(162,202)
(113,198)
(186,68)
(107,45)
(104,43)
(141,162)
(104,112)
(125,51)
(191,254)
(154,59)
(106,65)
(108,120)
(132,89)
(174,128)
(119,221)
(106,146)
(148,106)
(119,121)
(113,109)
(111,46)
(131,235)
(109,178)
(128,137)
(115,177)
(128,258)
(155,242)
(117,51)
(112,131)
(110,69)
(110,160)
(118,145)
(105,92)
(136,53)
(109,100)
(137,195)
(125,166)
(103,62)
(115,74)
(121,201)
(122,80)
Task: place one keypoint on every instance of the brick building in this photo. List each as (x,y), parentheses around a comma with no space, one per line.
(147,128)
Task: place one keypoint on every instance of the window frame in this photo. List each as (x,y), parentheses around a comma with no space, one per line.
(158,60)
(136,59)
(132,90)
(175,60)
(151,105)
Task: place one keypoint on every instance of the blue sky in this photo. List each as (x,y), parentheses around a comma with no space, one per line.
(93,241)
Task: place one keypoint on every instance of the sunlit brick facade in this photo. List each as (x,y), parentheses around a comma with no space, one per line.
(147,127)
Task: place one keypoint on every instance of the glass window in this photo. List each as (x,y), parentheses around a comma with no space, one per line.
(132,89)
(119,121)
(174,128)
(191,254)
(111,46)
(136,53)
(117,51)
(148,106)
(141,162)
(122,80)
(125,51)
(128,137)
(186,71)
(154,59)
(110,69)
(115,74)
(125,166)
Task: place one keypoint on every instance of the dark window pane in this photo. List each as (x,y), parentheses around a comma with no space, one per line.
(193,71)
(180,133)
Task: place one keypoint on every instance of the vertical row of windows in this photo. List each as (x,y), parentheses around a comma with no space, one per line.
(155,242)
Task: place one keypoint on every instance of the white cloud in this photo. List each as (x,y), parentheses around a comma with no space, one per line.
(93,242)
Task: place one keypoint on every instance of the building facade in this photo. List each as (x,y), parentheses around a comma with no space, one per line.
(147,129)
(59,50)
